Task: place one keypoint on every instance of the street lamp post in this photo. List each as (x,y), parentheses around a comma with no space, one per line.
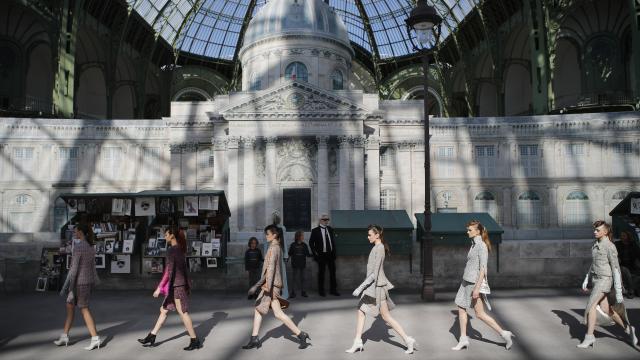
(424,24)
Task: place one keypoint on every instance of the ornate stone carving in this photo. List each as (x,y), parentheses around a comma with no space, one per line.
(233,141)
(249,142)
(261,163)
(219,143)
(315,52)
(175,148)
(333,162)
(343,141)
(296,51)
(189,147)
(271,140)
(358,141)
(322,140)
(296,161)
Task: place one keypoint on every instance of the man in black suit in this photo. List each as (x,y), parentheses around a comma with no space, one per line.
(323,246)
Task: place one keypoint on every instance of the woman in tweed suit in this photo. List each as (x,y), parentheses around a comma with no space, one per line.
(374,292)
(80,281)
(605,276)
(270,285)
(175,286)
(469,296)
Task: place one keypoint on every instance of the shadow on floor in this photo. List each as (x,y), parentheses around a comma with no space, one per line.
(472,333)
(202,330)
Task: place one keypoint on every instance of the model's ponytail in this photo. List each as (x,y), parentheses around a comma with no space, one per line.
(483,232)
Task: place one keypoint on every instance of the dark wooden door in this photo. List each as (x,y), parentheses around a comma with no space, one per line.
(297,209)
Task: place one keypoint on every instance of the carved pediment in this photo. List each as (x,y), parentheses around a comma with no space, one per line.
(295,100)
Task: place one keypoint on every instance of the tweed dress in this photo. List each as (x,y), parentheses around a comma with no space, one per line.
(378,291)
(176,280)
(271,280)
(477,258)
(603,264)
(82,274)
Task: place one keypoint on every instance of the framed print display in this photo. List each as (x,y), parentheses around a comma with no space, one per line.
(212,262)
(190,206)
(145,206)
(166,207)
(41,283)
(207,249)
(121,264)
(127,246)
(100,264)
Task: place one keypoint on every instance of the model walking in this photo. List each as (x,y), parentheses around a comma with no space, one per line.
(81,279)
(271,284)
(374,293)
(176,288)
(474,288)
(604,273)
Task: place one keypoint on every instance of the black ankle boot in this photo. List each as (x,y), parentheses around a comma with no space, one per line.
(193,344)
(303,337)
(254,342)
(148,341)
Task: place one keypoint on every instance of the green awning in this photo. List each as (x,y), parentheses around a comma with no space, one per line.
(361,219)
(455,223)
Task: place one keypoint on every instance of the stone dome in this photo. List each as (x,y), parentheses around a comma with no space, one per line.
(282,17)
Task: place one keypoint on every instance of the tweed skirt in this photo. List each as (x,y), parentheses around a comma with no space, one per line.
(601,286)
(464,297)
(180,293)
(81,295)
(371,306)
(263,302)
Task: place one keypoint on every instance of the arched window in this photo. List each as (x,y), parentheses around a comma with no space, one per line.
(387,199)
(296,71)
(337,80)
(576,209)
(255,83)
(23,199)
(529,209)
(619,195)
(486,202)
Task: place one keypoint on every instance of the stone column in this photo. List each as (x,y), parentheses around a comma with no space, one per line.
(323,175)
(175,163)
(553,206)
(249,182)
(344,202)
(403,161)
(373,172)
(506,207)
(270,177)
(219,149)
(233,193)
(358,172)
(189,176)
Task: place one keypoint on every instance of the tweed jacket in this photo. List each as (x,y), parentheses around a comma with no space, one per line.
(604,258)
(476,260)
(175,271)
(375,267)
(83,265)
(271,270)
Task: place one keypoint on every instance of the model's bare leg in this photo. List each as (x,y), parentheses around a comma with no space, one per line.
(478,307)
(68,322)
(88,320)
(161,318)
(186,319)
(463,320)
(386,316)
(257,321)
(360,323)
(591,317)
(280,315)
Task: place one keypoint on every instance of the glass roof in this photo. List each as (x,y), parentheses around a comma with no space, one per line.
(212,28)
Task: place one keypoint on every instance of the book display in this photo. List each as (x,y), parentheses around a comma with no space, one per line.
(129,232)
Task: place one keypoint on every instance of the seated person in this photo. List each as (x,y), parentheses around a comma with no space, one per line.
(629,257)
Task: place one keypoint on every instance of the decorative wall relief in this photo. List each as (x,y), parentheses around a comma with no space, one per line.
(333,161)
(260,160)
(296,161)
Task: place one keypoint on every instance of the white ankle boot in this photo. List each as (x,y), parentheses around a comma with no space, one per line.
(95,343)
(463,343)
(507,336)
(631,331)
(589,340)
(357,345)
(62,340)
(411,343)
